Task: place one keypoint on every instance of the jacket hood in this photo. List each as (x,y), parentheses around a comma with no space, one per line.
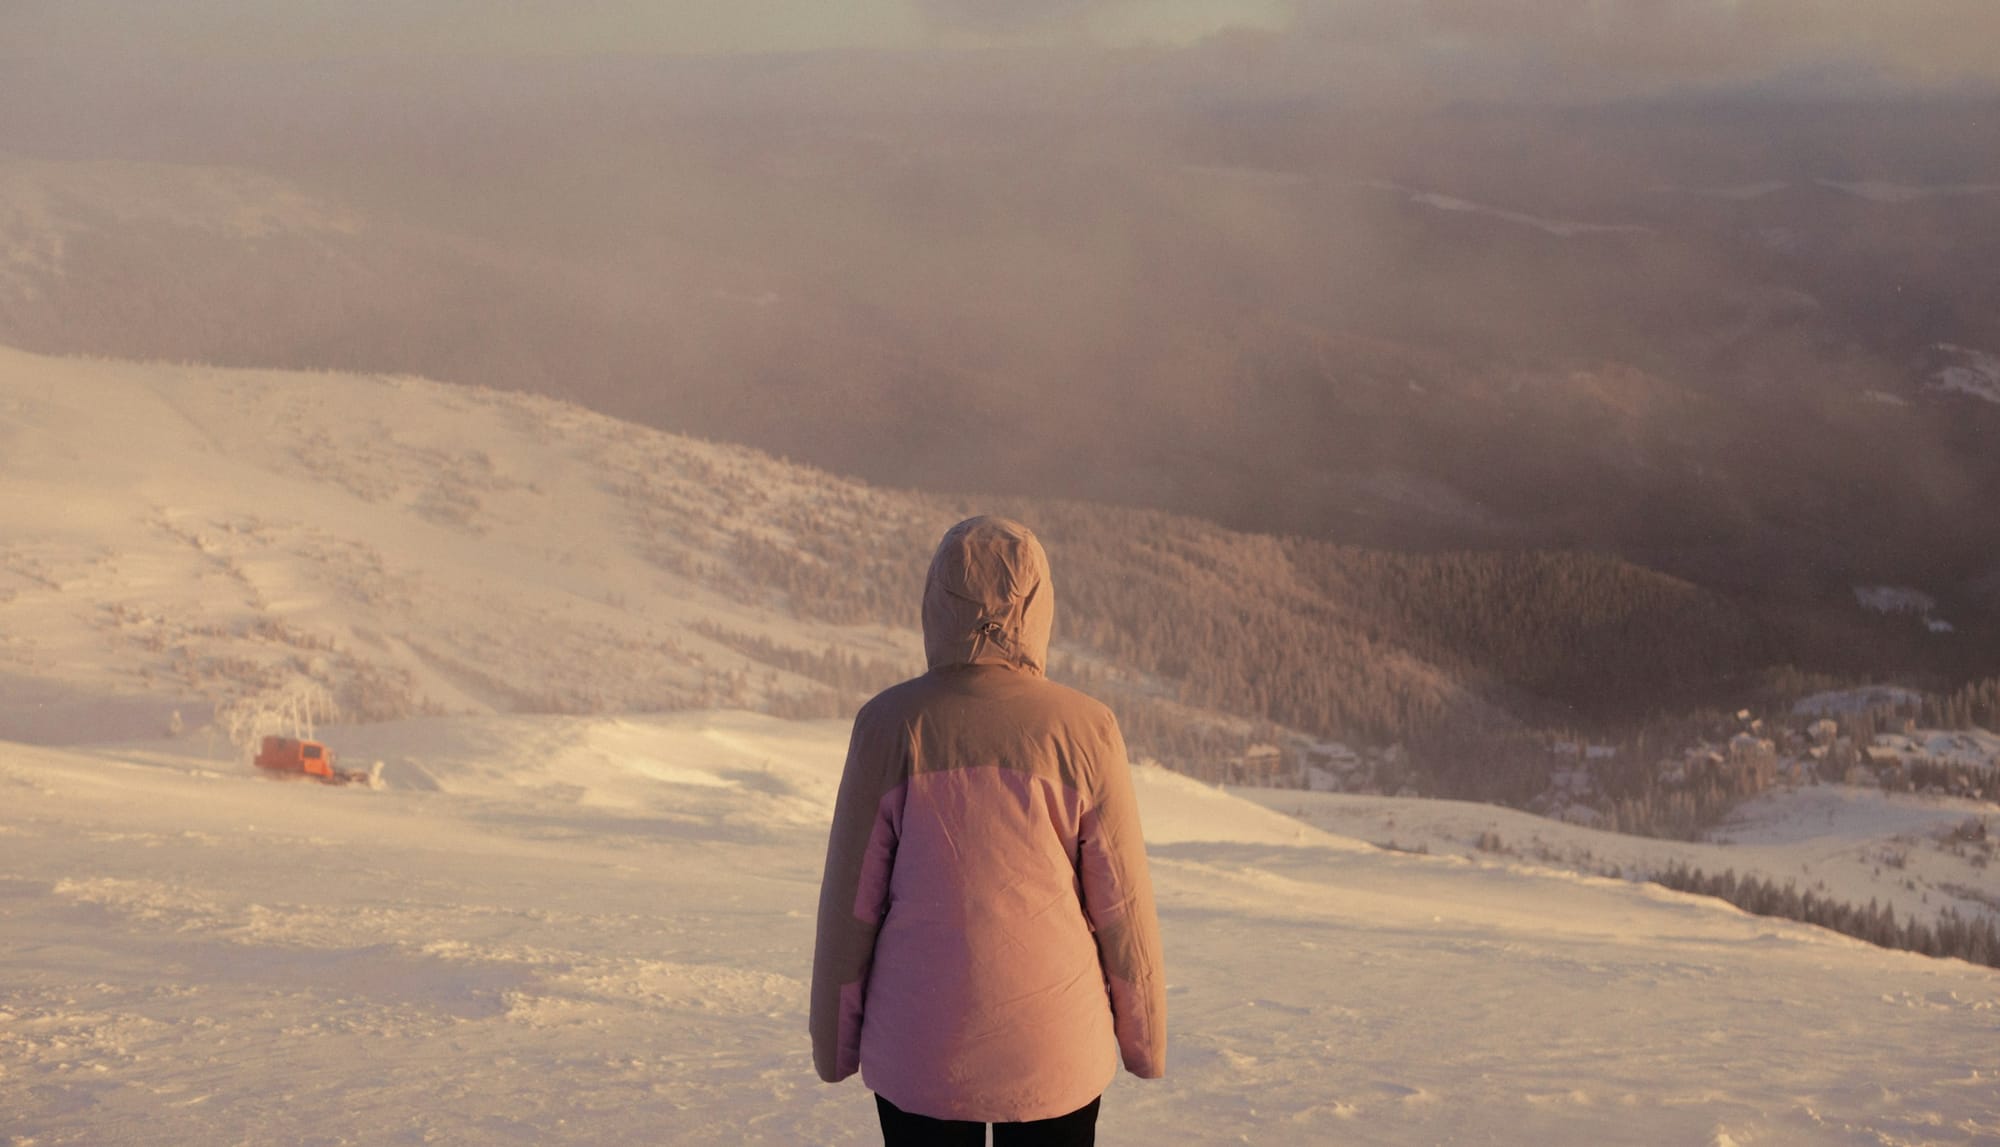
(988,599)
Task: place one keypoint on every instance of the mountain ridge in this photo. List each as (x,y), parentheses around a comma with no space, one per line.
(189,537)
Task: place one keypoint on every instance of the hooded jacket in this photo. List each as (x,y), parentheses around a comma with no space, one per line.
(986,922)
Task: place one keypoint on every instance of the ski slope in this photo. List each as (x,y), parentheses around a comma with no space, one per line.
(586,930)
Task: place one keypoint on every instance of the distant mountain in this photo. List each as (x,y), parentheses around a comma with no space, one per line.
(180,538)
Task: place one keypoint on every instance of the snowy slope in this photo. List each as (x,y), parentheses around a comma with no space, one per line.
(177,536)
(584,929)
(595,931)
(1852,843)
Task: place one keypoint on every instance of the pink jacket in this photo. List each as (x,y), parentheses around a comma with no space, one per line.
(986,923)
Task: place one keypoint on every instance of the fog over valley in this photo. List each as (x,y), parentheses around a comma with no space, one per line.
(1659,321)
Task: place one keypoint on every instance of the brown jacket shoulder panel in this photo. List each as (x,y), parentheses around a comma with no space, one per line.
(980,715)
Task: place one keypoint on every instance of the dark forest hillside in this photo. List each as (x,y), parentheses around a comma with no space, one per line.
(1345,642)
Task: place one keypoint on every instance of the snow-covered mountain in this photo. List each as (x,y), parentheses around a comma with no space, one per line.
(174,537)
(582,928)
(179,538)
(587,930)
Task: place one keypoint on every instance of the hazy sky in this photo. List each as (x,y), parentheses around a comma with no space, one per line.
(1619,46)
(314,27)
(1601,44)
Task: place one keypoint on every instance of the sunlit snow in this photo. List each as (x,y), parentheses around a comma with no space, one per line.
(597,929)
(513,953)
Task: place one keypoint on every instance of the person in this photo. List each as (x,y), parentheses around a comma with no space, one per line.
(987,945)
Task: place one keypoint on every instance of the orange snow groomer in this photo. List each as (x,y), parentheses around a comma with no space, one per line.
(294,755)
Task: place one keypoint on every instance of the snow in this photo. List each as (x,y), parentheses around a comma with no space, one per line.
(1883,191)
(1852,843)
(1839,701)
(1561,228)
(1976,748)
(1969,372)
(1894,599)
(1740,193)
(597,930)
(1902,599)
(552,939)
(174,536)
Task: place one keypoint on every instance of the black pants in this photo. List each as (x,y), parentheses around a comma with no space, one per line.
(901,1129)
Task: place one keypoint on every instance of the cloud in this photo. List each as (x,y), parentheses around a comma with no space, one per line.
(1102,23)
(1404,50)
(989,17)
(75,29)
(1629,48)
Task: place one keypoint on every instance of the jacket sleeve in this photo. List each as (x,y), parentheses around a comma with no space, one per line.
(1118,899)
(854,894)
